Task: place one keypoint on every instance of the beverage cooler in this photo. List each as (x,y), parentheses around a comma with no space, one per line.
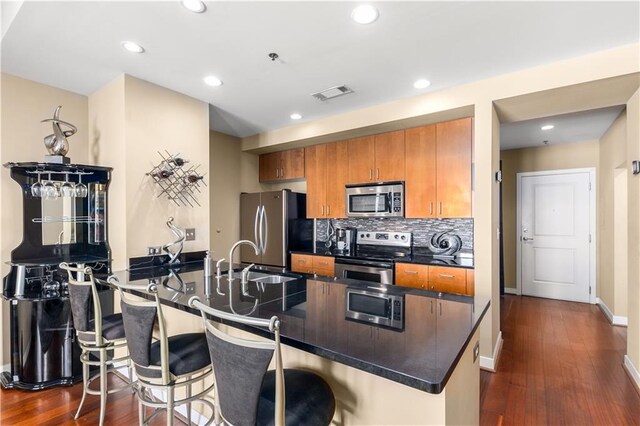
(64,210)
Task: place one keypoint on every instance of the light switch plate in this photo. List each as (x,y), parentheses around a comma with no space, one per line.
(476,351)
(191,234)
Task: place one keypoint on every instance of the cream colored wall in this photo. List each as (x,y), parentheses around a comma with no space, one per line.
(481,95)
(552,157)
(612,284)
(131,120)
(24,104)
(633,188)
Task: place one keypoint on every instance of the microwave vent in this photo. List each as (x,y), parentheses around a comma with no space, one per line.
(332,92)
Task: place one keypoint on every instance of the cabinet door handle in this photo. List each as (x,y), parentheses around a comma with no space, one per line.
(328,210)
(323,263)
(440,306)
(411,272)
(322,211)
(440,207)
(370,174)
(431,305)
(282,172)
(447,276)
(431,207)
(378,173)
(277,172)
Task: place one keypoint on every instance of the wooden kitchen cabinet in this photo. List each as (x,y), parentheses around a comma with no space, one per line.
(412,275)
(379,158)
(326,171)
(436,278)
(453,167)
(282,165)
(438,170)
(312,264)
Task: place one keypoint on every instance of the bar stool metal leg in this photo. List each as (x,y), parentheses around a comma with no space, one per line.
(85,384)
(103,384)
(170,406)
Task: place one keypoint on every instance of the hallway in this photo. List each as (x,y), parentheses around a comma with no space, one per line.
(561,363)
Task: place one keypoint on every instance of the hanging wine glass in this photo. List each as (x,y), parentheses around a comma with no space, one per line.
(50,190)
(67,188)
(36,188)
(81,188)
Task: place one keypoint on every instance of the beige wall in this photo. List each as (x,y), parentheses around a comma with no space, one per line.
(612,217)
(131,120)
(24,104)
(480,95)
(633,190)
(536,159)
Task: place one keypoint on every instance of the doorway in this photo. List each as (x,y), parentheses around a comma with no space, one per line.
(556,213)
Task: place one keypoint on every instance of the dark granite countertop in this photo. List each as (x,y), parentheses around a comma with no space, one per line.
(418,255)
(437,327)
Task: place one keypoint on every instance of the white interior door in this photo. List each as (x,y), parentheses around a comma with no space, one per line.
(555,225)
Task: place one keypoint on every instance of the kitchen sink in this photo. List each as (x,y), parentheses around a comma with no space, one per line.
(272,279)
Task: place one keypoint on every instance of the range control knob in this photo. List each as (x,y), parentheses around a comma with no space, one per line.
(368,235)
(404,237)
(361,235)
(396,236)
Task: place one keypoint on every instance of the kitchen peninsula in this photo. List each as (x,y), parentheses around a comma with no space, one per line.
(423,372)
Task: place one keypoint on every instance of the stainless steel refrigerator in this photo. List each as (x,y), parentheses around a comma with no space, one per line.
(276,222)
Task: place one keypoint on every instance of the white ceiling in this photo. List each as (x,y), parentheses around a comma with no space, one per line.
(568,128)
(76,46)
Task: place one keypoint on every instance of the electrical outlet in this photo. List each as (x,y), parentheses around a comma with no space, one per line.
(191,234)
(152,251)
(476,351)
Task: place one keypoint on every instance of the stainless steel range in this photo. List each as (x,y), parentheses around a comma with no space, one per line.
(374,256)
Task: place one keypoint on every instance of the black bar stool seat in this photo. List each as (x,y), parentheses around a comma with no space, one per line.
(185,355)
(112,328)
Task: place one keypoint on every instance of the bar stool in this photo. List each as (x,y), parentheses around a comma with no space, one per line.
(170,363)
(248,394)
(98,336)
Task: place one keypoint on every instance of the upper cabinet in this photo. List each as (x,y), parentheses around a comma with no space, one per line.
(326,172)
(438,170)
(379,158)
(283,165)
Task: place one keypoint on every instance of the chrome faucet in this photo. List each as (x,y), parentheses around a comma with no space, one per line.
(233,248)
(218,270)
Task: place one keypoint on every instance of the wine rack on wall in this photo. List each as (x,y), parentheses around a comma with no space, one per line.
(177,179)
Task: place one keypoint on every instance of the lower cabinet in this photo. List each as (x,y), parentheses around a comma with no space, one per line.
(436,278)
(312,264)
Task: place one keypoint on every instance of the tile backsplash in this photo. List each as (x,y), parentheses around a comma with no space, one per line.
(422,229)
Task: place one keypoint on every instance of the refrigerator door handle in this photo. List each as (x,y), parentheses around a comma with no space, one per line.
(266,230)
(255,226)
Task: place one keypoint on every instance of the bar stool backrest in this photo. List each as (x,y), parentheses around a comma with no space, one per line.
(239,366)
(83,295)
(139,318)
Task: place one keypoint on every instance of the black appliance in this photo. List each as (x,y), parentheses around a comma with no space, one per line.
(375,306)
(64,208)
(374,256)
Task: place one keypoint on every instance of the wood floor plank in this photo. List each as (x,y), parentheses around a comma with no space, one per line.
(561,364)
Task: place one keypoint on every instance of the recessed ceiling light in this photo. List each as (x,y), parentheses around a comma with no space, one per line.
(295,116)
(132,47)
(421,84)
(364,14)
(195,6)
(212,80)
(547,127)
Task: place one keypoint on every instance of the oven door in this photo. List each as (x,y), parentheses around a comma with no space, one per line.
(377,272)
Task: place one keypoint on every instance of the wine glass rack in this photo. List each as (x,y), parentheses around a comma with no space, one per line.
(177,180)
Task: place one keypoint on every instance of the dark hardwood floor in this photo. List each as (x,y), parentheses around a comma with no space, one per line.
(57,406)
(561,364)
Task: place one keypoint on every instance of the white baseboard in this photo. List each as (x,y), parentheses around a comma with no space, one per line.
(632,370)
(491,363)
(613,319)
(511,290)
(196,417)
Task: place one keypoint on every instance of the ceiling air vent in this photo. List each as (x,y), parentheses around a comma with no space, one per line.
(332,92)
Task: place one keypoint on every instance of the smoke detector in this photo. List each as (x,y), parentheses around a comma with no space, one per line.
(332,92)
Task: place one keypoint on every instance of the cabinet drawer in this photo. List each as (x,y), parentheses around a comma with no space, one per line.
(324,265)
(449,280)
(411,275)
(302,263)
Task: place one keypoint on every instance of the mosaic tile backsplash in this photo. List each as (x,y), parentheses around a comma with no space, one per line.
(422,229)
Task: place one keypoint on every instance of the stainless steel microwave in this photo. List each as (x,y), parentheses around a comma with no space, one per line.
(375,200)
(375,307)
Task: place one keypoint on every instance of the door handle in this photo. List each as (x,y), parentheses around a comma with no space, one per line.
(440,208)
(260,232)
(328,210)
(282,172)
(266,230)
(322,211)
(411,272)
(378,173)
(527,239)
(447,276)
(431,207)
(277,172)
(255,228)
(370,174)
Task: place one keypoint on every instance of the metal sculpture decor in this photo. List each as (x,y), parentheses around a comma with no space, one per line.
(57,143)
(178,182)
(444,244)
